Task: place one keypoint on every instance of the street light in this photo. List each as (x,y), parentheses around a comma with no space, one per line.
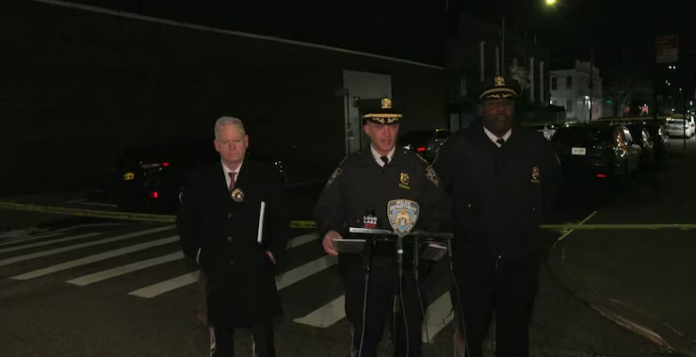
(550,2)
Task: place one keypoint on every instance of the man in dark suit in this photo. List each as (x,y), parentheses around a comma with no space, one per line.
(218,226)
(502,180)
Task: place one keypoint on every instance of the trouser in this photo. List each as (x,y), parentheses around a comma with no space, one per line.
(201,300)
(222,341)
(507,287)
(406,334)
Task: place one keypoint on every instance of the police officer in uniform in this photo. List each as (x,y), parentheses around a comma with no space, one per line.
(502,179)
(363,184)
(218,225)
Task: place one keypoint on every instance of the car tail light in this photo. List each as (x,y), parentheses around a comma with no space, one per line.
(154,194)
(421,149)
(601,175)
(165,164)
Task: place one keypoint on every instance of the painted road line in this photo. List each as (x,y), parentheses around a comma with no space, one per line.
(300,240)
(160,288)
(437,317)
(305,271)
(95,258)
(41,244)
(571,231)
(81,245)
(327,315)
(125,269)
(21,240)
(282,280)
(86,202)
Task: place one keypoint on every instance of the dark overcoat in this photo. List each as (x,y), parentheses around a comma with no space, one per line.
(221,234)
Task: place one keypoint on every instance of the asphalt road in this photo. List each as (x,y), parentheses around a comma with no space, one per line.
(122,290)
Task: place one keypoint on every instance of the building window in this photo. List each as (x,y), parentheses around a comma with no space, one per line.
(569,105)
(554,83)
(569,83)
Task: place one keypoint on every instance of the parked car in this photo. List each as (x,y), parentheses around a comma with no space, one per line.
(151,178)
(425,142)
(643,139)
(596,150)
(680,127)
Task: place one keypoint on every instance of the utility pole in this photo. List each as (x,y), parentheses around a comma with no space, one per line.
(591,82)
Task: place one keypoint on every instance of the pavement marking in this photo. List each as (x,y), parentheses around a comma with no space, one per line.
(41,244)
(22,240)
(325,316)
(124,269)
(300,240)
(572,230)
(305,271)
(87,202)
(437,317)
(81,245)
(634,327)
(95,258)
(160,288)
(282,280)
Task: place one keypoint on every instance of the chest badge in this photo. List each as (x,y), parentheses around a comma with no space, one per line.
(536,176)
(237,195)
(404,181)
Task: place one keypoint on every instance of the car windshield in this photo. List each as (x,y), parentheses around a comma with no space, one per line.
(675,122)
(582,135)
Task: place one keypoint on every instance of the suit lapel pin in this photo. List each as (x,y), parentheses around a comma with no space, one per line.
(237,195)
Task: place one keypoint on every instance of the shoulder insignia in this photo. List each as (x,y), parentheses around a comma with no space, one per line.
(333,176)
(432,176)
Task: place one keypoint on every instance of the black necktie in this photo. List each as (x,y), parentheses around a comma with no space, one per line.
(385,160)
(500,141)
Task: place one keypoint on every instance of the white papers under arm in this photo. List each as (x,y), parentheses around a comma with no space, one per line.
(259,238)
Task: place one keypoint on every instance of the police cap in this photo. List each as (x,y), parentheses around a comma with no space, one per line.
(499,88)
(385,114)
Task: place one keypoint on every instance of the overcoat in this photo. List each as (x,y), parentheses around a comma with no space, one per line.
(220,235)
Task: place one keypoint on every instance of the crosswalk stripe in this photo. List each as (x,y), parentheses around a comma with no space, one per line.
(21,240)
(41,244)
(124,269)
(300,240)
(282,280)
(95,258)
(437,317)
(81,245)
(302,272)
(327,315)
(160,288)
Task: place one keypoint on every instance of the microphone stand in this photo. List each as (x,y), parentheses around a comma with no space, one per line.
(458,295)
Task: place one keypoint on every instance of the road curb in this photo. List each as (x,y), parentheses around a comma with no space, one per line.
(641,323)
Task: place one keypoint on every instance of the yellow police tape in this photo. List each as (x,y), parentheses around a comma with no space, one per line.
(144,217)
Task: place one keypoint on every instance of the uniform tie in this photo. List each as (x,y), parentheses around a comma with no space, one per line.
(385,160)
(500,141)
(232,181)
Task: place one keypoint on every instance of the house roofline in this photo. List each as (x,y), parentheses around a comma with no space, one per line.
(129,15)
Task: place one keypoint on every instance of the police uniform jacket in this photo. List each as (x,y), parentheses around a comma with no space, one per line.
(360,183)
(241,288)
(499,196)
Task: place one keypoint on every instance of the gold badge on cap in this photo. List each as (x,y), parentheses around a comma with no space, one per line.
(386,103)
(237,195)
(499,81)
(404,180)
(535,175)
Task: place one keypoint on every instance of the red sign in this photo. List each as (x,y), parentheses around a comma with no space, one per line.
(667,49)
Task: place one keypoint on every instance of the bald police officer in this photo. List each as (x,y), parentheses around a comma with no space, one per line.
(366,182)
(502,179)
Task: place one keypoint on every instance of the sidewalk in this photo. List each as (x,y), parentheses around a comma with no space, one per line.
(642,280)
(29,221)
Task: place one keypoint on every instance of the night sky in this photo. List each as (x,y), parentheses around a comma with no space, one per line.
(621,32)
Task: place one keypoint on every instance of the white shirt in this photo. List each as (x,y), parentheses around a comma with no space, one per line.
(494,138)
(377,156)
(227,173)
